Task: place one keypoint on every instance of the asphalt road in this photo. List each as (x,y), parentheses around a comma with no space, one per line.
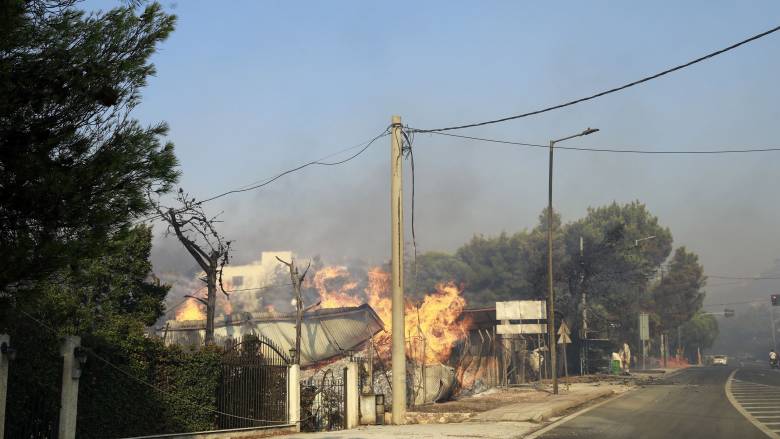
(692,404)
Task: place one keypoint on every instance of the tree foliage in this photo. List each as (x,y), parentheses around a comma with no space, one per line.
(75,167)
(623,249)
(108,300)
(678,296)
(699,332)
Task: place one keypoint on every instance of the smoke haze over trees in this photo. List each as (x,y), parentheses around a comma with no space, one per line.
(619,269)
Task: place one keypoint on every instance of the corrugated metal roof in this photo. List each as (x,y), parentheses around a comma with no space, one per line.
(325,333)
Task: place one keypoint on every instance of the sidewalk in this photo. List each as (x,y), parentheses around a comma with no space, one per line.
(513,420)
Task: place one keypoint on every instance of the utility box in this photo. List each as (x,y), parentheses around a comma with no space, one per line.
(368,408)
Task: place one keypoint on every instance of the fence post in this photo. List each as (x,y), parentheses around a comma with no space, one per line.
(294,396)
(353,396)
(71,372)
(5,343)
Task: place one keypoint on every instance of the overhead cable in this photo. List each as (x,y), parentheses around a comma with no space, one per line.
(264,182)
(612,90)
(743,277)
(614,150)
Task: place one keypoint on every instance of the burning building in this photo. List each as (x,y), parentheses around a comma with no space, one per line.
(350,309)
(325,333)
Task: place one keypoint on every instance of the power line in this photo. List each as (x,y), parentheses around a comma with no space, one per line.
(725,284)
(319,162)
(408,137)
(612,90)
(735,303)
(264,182)
(613,150)
(743,278)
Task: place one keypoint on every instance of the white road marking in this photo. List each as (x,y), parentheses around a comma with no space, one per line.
(755,402)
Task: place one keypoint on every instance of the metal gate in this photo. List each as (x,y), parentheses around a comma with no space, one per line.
(253,388)
(323,402)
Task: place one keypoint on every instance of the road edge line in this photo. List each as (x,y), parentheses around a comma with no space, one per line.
(744,412)
(568,418)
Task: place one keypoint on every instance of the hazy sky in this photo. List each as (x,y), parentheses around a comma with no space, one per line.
(252,88)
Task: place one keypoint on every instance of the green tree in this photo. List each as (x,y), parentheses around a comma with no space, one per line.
(75,167)
(434,268)
(108,300)
(700,332)
(614,268)
(679,295)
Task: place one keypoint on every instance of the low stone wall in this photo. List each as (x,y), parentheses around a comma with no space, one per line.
(239,433)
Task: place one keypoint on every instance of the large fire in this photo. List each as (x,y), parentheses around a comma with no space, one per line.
(431,327)
(191,309)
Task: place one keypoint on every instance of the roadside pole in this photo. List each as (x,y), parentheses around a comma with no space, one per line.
(644,335)
(71,372)
(397,268)
(551,297)
(774,331)
(584,340)
(564,340)
(664,347)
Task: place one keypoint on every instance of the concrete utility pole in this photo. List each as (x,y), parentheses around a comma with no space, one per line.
(550,292)
(551,298)
(71,372)
(584,347)
(397,268)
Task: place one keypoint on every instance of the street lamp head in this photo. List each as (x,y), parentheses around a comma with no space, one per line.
(589,131)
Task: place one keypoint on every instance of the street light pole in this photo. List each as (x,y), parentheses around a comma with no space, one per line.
(551,295)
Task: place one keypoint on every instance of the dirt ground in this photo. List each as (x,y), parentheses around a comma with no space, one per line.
(496,397)
(484,401)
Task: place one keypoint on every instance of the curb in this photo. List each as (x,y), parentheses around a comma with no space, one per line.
(563,406)
(544,412)
(536,434)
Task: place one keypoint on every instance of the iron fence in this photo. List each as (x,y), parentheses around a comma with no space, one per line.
(323,402)
(253,388)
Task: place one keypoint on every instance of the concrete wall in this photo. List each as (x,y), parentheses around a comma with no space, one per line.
(352,396)
(240,433)
(294,396)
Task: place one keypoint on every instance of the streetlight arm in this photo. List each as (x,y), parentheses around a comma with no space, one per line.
(637,241)
(584,133)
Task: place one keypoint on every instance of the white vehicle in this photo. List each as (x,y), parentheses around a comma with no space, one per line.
(720,360)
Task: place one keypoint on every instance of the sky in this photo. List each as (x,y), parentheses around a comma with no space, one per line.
(251,88)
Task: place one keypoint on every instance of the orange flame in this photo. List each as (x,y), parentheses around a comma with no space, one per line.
(432,328)
(336,287)
(191,310)
(435,323)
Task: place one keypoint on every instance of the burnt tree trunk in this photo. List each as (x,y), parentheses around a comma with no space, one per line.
(211,299)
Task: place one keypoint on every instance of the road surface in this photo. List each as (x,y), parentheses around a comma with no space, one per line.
(692,404)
